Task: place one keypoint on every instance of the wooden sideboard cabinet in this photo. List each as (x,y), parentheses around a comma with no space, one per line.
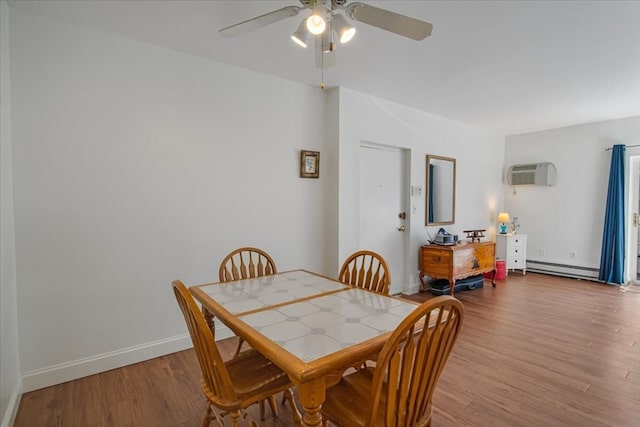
(513,249)
(457,262)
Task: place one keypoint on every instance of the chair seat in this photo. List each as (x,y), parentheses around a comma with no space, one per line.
(253,377)
(350,398)
(251,374)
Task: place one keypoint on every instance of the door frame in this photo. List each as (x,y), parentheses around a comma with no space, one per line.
(633,208)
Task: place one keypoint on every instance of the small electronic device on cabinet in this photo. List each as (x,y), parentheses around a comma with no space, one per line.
(445,238)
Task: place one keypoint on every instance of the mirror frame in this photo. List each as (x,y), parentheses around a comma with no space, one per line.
(453,198)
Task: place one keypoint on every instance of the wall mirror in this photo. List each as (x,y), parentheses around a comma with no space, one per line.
(441,190)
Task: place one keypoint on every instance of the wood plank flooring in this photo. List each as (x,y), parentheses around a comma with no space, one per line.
(537,350)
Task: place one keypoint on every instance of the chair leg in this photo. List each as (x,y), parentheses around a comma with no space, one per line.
(235,415)
(206,420)
(262,411)
(297,417)
(273,406)
(248,419)
(240,342)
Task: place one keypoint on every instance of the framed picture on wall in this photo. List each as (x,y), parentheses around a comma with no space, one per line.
(309,164)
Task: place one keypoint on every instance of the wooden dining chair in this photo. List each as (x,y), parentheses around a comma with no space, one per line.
(243,263)
(399,390)
(233,385)
(368,270)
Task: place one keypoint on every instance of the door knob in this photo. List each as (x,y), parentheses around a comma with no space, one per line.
(401,228)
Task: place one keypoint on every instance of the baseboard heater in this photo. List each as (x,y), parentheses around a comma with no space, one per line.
(574,271)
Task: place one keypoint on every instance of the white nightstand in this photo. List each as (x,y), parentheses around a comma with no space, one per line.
(513,249)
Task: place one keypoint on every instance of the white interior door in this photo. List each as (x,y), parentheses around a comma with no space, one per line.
(381,203)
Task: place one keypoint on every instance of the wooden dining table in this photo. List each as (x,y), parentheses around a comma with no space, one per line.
(311,326)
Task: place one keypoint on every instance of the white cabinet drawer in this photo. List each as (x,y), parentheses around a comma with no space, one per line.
(517,241)
(515,251)
(515,262)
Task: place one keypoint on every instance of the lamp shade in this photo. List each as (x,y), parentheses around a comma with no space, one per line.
(342,27)
(503,217)
(302,35)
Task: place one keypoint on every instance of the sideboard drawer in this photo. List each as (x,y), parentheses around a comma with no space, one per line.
(437,261)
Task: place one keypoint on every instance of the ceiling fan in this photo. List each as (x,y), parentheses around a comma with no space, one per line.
(328,20)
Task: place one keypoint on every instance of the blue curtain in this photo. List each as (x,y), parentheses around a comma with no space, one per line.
(613,238)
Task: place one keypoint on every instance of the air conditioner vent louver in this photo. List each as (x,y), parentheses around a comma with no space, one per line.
(544,173)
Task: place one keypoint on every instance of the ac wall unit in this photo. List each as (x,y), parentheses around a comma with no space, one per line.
(544,173)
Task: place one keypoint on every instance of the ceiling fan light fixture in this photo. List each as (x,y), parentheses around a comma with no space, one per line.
(302,35)
(331,20)
(344,30)
(316,23)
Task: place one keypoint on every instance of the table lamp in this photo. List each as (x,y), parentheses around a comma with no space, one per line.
(503,219)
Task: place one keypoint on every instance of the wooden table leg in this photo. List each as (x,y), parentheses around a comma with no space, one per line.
(311,396)
(208,317)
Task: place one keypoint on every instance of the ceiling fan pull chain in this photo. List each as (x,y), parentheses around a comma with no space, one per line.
(322,63)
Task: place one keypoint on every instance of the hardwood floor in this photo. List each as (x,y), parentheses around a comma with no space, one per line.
(537,350)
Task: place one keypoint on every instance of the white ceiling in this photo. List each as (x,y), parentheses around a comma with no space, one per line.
(506,66)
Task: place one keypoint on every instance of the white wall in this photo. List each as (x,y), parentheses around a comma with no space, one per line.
(568,217)
(479,155)
(135,165)
(10,379)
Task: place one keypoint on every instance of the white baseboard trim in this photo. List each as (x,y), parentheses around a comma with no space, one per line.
(9,416)
(63,372)
(79,368)
(411,289)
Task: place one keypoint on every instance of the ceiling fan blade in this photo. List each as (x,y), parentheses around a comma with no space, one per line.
(259,21)
(390,21)
(324,58)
